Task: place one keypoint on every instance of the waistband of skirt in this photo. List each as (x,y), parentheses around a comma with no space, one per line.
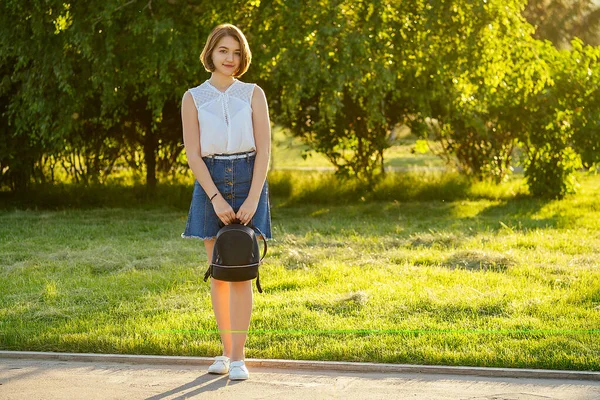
(234,156)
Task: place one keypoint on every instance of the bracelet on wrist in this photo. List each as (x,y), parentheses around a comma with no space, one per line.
(213,196)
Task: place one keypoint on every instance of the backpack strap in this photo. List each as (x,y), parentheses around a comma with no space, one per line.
(208,273)
(264,239)
(258,282)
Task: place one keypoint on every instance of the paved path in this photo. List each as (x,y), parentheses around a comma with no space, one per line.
(52,379)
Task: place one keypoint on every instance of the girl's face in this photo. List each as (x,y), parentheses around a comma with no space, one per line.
(227,56)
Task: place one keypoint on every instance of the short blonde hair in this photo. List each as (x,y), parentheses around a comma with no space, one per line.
(217,34)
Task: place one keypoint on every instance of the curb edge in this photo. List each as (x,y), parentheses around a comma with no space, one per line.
(341,366)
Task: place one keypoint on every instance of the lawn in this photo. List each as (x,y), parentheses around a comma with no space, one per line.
(468,279)
(423,268)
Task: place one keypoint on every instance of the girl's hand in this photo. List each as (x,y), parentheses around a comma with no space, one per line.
(247,210)
(223,210)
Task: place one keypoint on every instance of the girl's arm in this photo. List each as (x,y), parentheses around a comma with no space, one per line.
(191,140)
(262,140)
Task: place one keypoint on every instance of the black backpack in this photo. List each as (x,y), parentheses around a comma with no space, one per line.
(236,255)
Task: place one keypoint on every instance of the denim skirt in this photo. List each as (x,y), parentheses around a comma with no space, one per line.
(232,178)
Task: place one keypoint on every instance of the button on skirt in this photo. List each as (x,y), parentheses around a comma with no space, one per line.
(232,178)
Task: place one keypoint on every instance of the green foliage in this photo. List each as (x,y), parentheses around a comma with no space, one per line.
(550,170)
(96,85)
(496,90)
(478,68)
(331,63)
(582,78)
(91,89)
(66,196)
(285,187)
(562,122)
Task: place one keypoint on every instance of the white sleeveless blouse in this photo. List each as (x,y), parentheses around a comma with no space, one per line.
(225,118)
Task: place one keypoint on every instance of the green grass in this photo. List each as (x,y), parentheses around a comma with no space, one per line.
(466,275)
(425,267)
(286,186)
(288,153)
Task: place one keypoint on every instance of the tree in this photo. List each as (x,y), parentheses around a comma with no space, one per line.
(472,69)
(560,21)
(330,64)
(91,81)
(564,124)
(96,85)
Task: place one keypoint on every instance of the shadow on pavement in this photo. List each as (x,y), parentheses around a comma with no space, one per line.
(204,383)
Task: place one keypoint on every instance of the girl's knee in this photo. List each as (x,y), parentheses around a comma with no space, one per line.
(240,285)
(219,284)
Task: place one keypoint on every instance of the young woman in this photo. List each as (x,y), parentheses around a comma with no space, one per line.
(226,132)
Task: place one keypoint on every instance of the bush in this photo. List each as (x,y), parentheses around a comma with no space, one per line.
(550,173)
(285,188)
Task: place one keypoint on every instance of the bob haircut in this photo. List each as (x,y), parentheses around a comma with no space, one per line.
(215,36)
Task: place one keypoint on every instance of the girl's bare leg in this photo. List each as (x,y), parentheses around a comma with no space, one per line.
(240,304)
(220,295)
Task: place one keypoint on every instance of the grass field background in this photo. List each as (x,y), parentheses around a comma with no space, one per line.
(426,268)
(288,154)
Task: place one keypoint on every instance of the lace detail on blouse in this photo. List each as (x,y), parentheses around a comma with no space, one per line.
(225,118)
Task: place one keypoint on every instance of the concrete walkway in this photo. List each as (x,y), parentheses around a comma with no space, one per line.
(51,376)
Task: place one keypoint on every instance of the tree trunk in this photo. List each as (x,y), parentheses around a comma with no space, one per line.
(150,147)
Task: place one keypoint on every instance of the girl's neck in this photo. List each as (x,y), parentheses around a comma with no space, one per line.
(221,81)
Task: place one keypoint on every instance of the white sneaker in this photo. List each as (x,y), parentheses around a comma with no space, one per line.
(220,366)
(238,371)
